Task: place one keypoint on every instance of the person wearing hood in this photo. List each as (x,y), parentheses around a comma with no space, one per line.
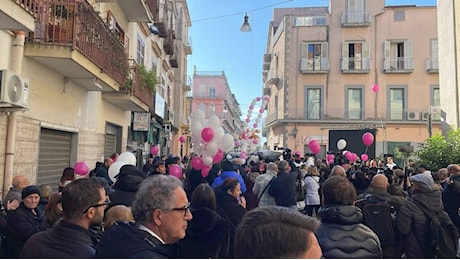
(341,233)
(412,221)
(229,171)
(126,185)
(208,235)
(161,211)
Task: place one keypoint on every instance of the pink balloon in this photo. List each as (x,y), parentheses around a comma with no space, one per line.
(368,138)
(266,97)
(255,141)
(248,120)
(255,125)
(154,150)
(237,143)
(197,163)
(330,157)
(251,107)
(375,88)
(297,153)
(182,139)
(218,156)
(331,161)
(314,146)
(81,168)
(205,171)
(349,156)
(364,157)
(175,170)
(258,98)
(261,110)
(207,134)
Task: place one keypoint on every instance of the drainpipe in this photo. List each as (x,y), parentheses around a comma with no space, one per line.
(17,52)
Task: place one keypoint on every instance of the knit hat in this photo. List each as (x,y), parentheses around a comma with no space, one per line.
(423,180)
(30,190)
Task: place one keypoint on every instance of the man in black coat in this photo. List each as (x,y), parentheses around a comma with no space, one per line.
(451,194)
(282,187)
(83,202)
(161,210)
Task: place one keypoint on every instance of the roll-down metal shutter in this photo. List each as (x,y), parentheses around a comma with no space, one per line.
(110,145)
(54,156)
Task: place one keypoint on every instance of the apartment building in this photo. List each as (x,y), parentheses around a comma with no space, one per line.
(82,79)
(449,70)
(352,66)
(212,95)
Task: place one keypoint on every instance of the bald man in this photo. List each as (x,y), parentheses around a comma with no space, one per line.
(14,195)
(338,170)
(379,194)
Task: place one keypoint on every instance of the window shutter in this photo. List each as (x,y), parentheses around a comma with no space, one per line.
(434,48)
(387,61)
(304,50)
(345,57)
(324,56)
(366,56)
(408,60)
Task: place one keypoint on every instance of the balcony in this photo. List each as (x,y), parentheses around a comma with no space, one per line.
(432,65)
(314,65)
(138,10)
(173,61)
(355,65)
(162,22)
(19,15)
(73,40)
(188,47)
(187,86)
(271,117)
(168,43)
(398,65)
(356,19)
(134,95)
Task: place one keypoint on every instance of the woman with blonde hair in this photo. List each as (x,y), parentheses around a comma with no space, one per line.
(117,213)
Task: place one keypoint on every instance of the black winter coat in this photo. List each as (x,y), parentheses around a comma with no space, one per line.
(125,190)
(413,223)
(341,234)
(208,235)
(283,188)
(451,201)
(124,240)
(63,241)
(22,224)
(229,208)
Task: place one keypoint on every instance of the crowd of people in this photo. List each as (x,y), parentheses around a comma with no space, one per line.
(292,207)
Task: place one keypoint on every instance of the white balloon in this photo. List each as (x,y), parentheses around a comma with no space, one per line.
(199,116)
(341,144)
(207,160)
(128,158)
(214,122)
(227,142)
(211,148)
(218,133)
(197,127)
(114,169)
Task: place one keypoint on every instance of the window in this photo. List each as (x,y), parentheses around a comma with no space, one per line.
(310,21)
(314,56)
(163,85)
(399,15)
(140,51)
(355,56)
(313,103)
(211,109)
(212,92)
(355,10)
(435,103)
(398,56)
(397,102)
(354,103)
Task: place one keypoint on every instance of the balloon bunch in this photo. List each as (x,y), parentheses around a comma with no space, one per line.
(124,158)
(367,138)
(250,135)
(209,142)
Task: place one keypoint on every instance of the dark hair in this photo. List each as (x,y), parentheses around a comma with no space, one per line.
(338,190)
(52,212)
(274,232)
(229,184)
(68,174)
(158,163)
(78,195)
(203,197)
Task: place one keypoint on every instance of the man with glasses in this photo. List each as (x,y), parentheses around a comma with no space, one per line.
(161,211)
(83,203)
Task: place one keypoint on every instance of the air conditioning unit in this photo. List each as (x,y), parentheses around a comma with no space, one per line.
(14,89)
(425,115)
(413,116)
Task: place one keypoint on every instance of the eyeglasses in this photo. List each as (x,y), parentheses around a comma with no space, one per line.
(106,202)
(184,208)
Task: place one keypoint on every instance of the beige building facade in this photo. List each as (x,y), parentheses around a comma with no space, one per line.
(82,79)
(353,65)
